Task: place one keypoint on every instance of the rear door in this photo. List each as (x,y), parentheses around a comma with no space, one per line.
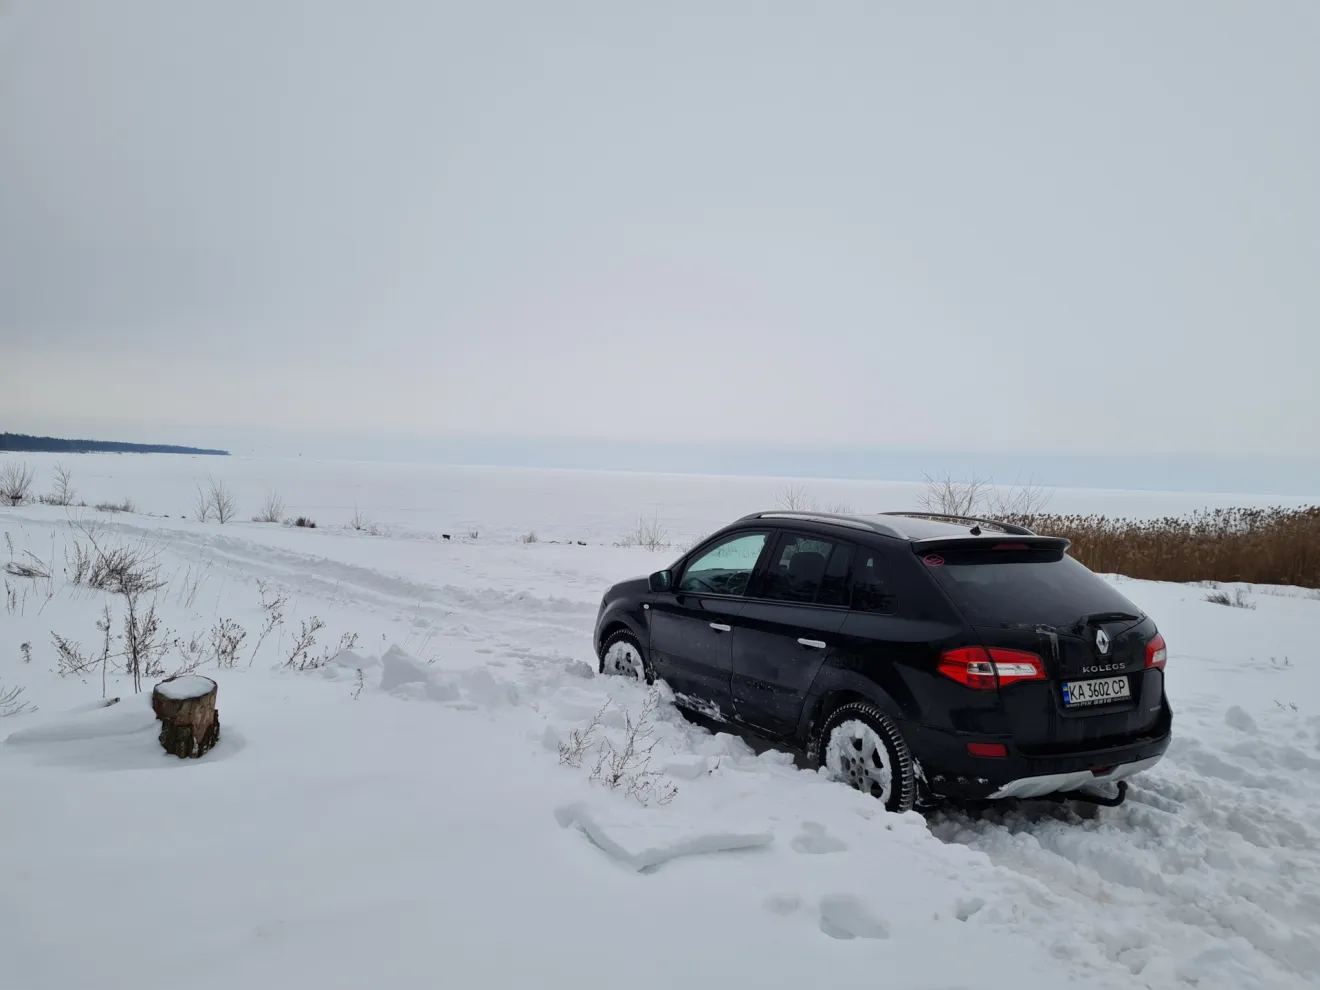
(789,627)
(692,626)
(1091,639)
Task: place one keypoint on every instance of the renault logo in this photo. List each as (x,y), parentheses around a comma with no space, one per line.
(1102,641)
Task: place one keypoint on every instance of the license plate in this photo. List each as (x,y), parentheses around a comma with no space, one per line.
(1101,691)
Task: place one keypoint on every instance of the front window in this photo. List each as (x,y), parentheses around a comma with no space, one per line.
(726,568)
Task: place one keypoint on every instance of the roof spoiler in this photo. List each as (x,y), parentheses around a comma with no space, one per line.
(991,542)
(948,517)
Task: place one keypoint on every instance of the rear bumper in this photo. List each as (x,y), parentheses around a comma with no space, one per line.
(1053,783)
(952,772)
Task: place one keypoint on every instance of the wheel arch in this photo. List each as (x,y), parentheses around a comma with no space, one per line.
(618,622)
(833,688)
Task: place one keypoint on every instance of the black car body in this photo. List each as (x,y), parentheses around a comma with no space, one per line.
(1009,669)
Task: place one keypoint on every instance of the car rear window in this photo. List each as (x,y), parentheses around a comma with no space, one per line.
(1022,587)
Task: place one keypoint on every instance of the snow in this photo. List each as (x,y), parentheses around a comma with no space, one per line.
(425,501)
(402,815)
(643,841)
(185,686)
(117,719)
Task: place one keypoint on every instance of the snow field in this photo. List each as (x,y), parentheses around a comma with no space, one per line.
(388,820)
(425,501)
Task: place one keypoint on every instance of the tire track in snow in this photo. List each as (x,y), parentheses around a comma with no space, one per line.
(516,622)
(330,578)
(1208,875)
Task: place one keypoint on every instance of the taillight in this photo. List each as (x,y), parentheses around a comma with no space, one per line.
(1157,654)
(982,669)
(992,750)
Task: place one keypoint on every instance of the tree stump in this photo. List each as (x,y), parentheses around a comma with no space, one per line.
(185,705)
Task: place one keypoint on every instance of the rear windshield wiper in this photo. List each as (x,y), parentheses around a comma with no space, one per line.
(1091,618)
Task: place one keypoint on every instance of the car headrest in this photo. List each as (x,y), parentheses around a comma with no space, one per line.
(806,566)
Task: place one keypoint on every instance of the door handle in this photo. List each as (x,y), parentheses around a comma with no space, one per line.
(815,644)
(720,627)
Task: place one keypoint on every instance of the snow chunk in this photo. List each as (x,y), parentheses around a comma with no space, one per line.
(845,916)
(92,706)
(816,839)
(723,744)
(783,904)
(484,690)
(399,668)
(352,660)
(686,767)
(1237,718)
(413,691)
(443,691)
(185,687)
(135,715)
(404,676)
(645,840)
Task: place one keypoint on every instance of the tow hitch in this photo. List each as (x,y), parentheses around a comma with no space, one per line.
(1090,797)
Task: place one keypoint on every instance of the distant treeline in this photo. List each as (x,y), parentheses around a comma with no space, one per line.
(20,441)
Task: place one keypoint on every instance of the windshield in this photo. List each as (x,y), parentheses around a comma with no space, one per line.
(1032,587)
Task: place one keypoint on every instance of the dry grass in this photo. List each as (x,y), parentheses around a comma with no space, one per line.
(15,483)
(1250,546)
(1238,599)
(648,533)
(30,566)
(362,524)
(123,506)
(11,703)
(272,511)
(102,562)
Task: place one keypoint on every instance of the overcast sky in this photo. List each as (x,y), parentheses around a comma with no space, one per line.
(1000,227)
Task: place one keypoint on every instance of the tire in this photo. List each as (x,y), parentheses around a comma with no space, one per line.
(860,745)
(622,655)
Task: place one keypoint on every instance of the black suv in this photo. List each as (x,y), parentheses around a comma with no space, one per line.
(915,656)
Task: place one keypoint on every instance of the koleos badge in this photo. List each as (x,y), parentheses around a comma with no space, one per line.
(1102,641)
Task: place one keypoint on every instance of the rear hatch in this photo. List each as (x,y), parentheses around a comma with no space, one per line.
(1027,594)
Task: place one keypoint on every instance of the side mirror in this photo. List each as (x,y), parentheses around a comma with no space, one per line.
(661,580)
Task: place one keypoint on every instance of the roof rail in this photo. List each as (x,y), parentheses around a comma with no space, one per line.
(833,519)
(1010,528)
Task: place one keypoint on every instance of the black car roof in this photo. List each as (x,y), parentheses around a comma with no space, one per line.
(910,526)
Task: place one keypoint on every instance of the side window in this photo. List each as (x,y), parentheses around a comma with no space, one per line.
(808,569)
(873,588)
(726,568)
(834,586)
